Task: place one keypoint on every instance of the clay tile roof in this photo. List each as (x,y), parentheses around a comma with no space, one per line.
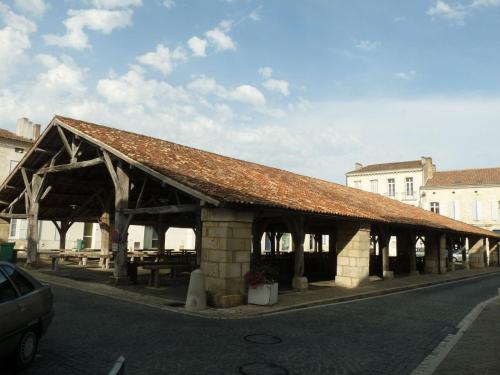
(412,164)
(467,177)
(234,181)
(8,134)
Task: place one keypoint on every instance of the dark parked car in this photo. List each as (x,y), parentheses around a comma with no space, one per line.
(25,314)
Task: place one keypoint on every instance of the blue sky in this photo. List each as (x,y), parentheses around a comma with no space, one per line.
(308,86)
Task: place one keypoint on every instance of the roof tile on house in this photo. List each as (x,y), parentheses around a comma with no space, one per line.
(466,177)
(412,164)
(8,134)
(234,181)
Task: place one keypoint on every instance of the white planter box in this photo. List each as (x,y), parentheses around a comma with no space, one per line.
(266,294)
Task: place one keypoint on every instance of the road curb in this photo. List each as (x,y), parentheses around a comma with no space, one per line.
(216,314)
(433,360)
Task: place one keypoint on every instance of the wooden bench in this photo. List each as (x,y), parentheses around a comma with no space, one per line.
(154,276)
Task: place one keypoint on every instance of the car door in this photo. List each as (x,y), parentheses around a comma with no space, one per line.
(11,321)
(28,302)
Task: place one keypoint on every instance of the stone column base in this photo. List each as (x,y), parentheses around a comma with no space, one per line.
(414,273)
(388,275)
(225,300)
(119,280)
(451,267)
(300,283)
(466,265)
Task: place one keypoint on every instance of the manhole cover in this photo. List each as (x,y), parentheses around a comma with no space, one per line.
(262,368)
(262,338)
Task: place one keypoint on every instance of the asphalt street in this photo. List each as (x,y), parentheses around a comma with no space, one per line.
(386,335)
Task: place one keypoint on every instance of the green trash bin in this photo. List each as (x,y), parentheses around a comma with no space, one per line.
(6,251)
(79,245)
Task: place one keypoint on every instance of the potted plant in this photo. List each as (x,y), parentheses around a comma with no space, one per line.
(262,285)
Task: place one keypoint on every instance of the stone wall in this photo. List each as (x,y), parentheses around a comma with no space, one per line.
(226,252)
(353,259)
(4,231)
(435,247)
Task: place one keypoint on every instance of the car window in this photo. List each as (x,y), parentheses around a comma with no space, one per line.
(7,291)
(22,283)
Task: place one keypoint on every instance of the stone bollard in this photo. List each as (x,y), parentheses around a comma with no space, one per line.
(196,297)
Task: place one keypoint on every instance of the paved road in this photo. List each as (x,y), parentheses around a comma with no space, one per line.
(387,335)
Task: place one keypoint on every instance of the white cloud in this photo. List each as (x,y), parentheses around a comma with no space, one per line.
(248,94)
(441,9)
(113,4)
(133,89)
(409,75)
(103,20)
(368,45)
(62,75)
(35,7)
(14,40)
(485,3)
(254,15)
(163,59)
(168,3)
(266,72)
(219,38)
(198,46)
(276,85)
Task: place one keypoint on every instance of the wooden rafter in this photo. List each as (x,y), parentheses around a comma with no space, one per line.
(65,141)
(172,209)
(71,166)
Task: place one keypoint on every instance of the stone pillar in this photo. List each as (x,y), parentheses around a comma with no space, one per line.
(442,253)
(403,248)
(332,252)
(494,253)
(384,252)
(226,254)
(476,252)
(257,233)
(432,245)
(353,254)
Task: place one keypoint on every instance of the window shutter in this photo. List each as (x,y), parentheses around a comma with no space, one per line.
(494,210)
(479,213)
(452,210)
(442,208)
(457,211)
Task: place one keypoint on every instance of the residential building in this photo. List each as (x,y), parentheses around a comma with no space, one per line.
(13,147)
(399,180)
(471,195)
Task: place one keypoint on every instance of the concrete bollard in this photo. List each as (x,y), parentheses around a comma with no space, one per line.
(196,297)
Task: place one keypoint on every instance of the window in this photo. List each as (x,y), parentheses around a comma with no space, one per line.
(409,186)
(435,207)
(7,291)
(22,283)
(23,229)
(357,184)
(478,210)
(12,228)
(13,164)
(391,187)
(374,186)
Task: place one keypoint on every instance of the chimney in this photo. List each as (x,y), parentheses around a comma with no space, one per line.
(428,167)
(358,166)
(26,129)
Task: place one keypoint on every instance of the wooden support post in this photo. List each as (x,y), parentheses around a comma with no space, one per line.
(33,208)
(62,229)
(332,252)
(278,240)
(272,239)
(105,226)
(120,233)
(384,239)
(198,230)
(413,253)
(257,232)
(297,229)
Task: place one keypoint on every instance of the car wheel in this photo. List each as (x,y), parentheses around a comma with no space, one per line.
(26,349)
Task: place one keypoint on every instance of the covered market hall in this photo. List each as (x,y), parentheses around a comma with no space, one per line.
(78,171)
